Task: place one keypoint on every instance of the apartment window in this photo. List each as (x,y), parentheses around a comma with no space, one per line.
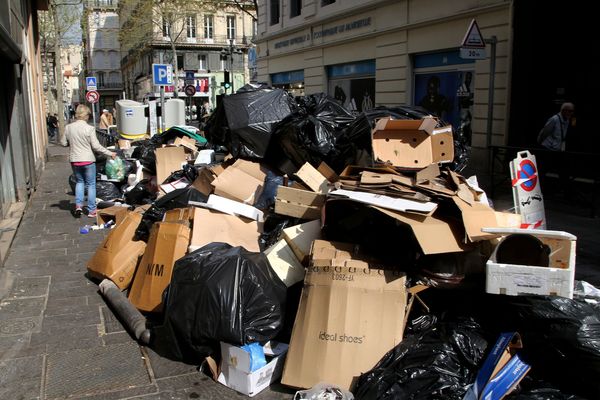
(230,27)
(326,2)
(190,22)
(166,27)
(100,79)
(208,27)
(295,8)
(274,12)
(180,61)
(202,62)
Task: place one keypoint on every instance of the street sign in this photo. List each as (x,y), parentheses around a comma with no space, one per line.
(473,44)
(189,77)
(92,96)
(90,83)
(527,193)
(162,74)
(190,90)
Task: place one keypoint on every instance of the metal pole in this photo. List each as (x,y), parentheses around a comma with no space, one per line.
(161,127)
(492,42)
(231,64)
(94,114)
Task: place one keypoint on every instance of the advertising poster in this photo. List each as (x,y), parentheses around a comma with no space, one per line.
(449,96)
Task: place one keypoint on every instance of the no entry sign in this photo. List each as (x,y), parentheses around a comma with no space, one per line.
(527,193)
(92,96)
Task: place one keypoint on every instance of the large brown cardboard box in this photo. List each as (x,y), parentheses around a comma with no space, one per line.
(243,181)
(168,160)
(413,144)
(114,213)
(118,255)
(349,316)
(168,242)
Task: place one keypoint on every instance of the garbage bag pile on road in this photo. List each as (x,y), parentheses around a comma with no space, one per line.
(342,252)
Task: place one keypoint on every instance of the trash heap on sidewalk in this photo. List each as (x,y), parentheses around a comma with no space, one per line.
(294,239)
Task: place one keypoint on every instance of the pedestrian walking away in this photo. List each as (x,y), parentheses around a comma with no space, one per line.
(81,138)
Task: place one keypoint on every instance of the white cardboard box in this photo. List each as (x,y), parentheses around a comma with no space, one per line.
(557,279)
(235,368)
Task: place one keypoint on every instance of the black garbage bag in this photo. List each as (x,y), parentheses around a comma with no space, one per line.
(145,153)
(221,293)
(437,360)
(321,130)
(269,191)
(178,198)
(188,171)
(140,194)
(273,226)
(251,116)
(535,389)
(106,190)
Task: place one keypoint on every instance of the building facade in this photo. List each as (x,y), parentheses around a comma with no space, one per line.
(23,136)
(102,57)
(72,61)
(210,42)
(390,52)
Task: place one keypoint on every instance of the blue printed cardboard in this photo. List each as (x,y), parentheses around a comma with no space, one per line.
(502,370)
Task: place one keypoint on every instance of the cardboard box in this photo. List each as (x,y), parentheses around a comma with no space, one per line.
(168,242)
(236,373)
(117,256)
(412,143)
(179,214)
(557,279)
(168,160)
(187,143)
(502,370)
(243,181)
(214,226)
(313,179)
(349,316)
(298,203)
(114,213)
(475,217)
(300,238)
(284,263)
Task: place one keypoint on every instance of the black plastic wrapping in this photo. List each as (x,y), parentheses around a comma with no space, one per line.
(273,226)
(144,151)
(188,171)
(249,117)
(221,293)
(436,360)
(178,198)
(321,130)
(106,190)
(269,190)
(140,194)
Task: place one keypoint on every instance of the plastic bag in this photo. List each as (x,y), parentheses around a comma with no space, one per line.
(257,355)
(145,153)
(106,190)
(220,293)
(140,194)
(438,361)
(115,169)
(324,391)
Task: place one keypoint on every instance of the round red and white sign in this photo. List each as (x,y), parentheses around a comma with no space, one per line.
(92,96)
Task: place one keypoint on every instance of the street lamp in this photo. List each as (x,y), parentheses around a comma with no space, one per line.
(227,54)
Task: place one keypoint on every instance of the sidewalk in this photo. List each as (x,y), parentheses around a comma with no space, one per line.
(58,339)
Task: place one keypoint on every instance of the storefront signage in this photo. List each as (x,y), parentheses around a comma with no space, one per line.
(325,32)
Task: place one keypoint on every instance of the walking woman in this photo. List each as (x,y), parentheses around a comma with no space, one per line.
(83,143)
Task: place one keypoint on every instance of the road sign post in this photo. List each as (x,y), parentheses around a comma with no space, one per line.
(162,75)
(92,97)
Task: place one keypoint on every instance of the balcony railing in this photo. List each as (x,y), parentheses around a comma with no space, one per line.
(110,85)
(216,40)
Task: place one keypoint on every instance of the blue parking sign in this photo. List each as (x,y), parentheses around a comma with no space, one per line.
(162,74)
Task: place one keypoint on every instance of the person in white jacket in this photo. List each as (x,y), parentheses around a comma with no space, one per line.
(83,143)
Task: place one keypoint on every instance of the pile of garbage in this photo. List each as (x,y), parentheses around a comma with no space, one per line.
(343,253)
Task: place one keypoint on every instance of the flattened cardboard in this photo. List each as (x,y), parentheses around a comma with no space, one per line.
(396,204)
(168,160)
(475,217)
(204,180)
(186,142)
(168,242)
(114,213)
(179,214)
(284,263)
(349,317)
(117,256)
(298,203)
(412,144)
(243,181)
(433,234)
(313,179)
(300,238)
(214,226)
(328,172)
(233,207)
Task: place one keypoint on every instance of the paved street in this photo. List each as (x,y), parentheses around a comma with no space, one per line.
(59,340)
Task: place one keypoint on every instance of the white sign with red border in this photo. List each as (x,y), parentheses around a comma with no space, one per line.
(92,96)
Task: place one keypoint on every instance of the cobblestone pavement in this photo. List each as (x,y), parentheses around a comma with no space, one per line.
(59,340)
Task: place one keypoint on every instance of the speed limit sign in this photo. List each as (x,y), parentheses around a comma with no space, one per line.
(92,96)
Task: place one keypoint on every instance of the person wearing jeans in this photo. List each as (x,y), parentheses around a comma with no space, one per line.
(84,144)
